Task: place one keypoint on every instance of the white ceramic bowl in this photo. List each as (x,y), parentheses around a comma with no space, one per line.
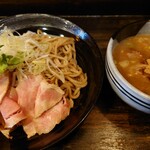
(127,92)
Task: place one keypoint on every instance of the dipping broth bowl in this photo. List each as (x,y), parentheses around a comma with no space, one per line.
(125,90)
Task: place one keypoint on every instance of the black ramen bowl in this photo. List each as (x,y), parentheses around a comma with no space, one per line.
(88,57)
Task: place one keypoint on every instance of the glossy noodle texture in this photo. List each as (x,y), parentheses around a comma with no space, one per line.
(43,78)
(59,63)
(52,56)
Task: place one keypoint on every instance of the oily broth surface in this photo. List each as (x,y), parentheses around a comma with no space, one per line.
(132,58)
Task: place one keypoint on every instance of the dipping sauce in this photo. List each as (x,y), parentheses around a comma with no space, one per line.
(132,58)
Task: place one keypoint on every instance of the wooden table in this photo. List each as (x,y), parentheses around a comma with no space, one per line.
(112,124)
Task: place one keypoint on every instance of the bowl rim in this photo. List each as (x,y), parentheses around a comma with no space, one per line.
(67,23)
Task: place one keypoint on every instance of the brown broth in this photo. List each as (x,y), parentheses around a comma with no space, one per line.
(132,58)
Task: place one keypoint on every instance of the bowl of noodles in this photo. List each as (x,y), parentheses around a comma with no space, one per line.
(51,72)
(127,64)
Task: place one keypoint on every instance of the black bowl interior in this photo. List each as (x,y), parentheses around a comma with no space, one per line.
(88,57)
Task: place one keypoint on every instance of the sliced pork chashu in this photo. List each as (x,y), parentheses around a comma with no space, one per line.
(49,119)
(36,95)
(27,91)
(36,104)
(11,112)
(47,96)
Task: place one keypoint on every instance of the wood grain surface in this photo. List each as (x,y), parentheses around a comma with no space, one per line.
(112,124)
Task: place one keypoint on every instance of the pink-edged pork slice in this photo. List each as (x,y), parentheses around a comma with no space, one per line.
(27,91)
(48,95)
(4,84)
(11,112)
(49,119)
